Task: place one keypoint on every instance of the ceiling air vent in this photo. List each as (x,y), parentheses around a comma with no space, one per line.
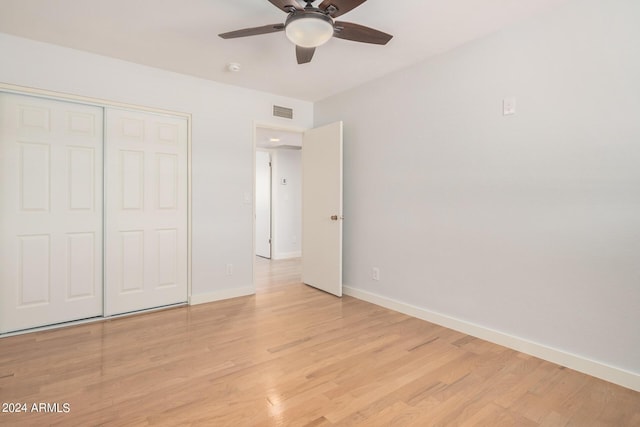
(285,112)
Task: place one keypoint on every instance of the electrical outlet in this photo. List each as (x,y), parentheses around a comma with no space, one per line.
(375,273)
(229,269)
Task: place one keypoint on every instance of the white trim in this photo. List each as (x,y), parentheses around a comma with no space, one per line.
(254,136)
(274,126)
(287,255)
(221,295)
(44,93)
(573,361)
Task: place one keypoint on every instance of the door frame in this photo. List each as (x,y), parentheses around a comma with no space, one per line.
(106,103)
(255,196)
(276,127)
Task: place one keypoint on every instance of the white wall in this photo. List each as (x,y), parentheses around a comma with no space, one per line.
(526,225)
(287,203)
(222,142)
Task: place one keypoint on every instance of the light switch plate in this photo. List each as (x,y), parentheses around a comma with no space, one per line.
(509,106)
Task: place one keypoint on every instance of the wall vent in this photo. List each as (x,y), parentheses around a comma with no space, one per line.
(285,112)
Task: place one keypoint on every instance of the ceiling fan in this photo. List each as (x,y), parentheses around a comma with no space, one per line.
(309,27)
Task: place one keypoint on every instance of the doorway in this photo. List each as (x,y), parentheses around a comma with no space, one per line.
(278,192)
(317,192)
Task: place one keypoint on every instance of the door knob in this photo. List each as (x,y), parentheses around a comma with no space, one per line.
(336,217)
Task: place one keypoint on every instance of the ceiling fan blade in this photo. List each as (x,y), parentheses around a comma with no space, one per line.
(304,54)
(274,28)
(341,6)
(360,33)
(286,5)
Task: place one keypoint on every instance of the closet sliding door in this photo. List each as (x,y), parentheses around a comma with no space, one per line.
(50,212)
(146,211)
(70,173)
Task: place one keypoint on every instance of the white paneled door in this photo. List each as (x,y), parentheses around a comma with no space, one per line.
(146,211)
(50,212)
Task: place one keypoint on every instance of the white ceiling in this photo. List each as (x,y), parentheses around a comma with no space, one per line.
(181,36)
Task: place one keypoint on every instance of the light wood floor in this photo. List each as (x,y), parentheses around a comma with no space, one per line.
(293,356)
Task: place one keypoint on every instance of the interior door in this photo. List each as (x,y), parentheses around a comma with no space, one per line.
(146,211)
(322,208)
(263,204)
(50,212)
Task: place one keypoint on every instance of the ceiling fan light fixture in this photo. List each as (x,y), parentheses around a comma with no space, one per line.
(309,29)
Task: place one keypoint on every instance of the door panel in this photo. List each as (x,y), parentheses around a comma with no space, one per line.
(322,208)
(146,212)
(50,212)
(82,262)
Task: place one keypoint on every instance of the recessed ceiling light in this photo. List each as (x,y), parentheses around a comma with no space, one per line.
(274,139)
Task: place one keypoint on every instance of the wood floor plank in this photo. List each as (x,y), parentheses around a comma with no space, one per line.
(292,356)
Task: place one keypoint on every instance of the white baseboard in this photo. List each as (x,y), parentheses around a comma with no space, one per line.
(579,363)
(287,255)
(221,295)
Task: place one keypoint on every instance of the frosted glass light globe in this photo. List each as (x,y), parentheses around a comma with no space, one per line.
(309,30)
